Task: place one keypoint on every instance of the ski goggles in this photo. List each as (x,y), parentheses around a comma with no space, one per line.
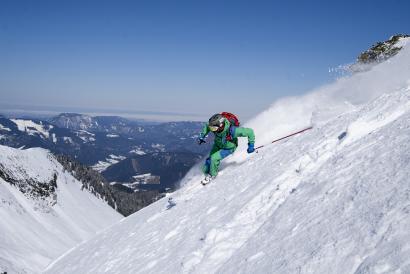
(213,128)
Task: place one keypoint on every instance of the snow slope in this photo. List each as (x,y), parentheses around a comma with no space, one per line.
(111,160)
(32,128)
(35,230)
(335,199)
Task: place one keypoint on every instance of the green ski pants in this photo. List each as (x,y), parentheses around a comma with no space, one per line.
(211,165)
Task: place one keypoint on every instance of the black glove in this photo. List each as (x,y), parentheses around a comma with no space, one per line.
(201,140)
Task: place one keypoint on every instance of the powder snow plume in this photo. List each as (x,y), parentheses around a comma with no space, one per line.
(291,114)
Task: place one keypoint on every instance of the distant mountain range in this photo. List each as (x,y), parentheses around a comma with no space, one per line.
(119,148)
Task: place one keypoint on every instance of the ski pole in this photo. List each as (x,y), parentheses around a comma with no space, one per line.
(290,135)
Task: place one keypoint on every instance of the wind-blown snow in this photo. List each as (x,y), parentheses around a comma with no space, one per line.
(33,232)
(335,199)
(322,104)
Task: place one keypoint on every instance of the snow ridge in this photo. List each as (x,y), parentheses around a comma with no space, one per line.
(38,226)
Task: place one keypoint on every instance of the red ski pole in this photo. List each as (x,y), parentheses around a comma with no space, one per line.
(290,135)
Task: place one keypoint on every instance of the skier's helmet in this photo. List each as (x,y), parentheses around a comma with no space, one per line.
(216,123)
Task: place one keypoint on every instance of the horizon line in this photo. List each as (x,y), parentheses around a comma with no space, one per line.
(146,115)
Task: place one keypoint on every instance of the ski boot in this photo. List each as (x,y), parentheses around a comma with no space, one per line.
(208,178)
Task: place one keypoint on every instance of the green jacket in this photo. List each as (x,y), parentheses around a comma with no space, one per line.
(220,138)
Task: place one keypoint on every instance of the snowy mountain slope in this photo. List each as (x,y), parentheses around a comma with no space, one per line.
(335,199)
(350,210)
(43,210)
(32,128)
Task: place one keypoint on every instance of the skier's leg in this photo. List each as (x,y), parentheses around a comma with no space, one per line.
(216,159)
(206,167)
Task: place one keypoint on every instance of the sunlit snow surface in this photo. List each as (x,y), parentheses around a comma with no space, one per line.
(33,232)
(335,199)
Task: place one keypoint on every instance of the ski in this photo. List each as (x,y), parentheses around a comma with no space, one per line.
(207,180)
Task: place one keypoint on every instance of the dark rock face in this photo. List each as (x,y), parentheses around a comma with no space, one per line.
(382,50)
(30,187)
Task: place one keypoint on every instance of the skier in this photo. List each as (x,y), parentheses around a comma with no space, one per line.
(225,127)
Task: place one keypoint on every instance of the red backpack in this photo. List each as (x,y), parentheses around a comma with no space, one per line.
(231,118)
(234,123)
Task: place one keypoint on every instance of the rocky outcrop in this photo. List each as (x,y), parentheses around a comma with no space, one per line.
(33,188)
(74,121)
(382,50)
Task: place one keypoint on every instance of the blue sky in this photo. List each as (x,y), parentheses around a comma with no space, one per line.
(188,57)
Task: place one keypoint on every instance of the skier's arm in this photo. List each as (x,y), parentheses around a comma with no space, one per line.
(245,132)
(204,132)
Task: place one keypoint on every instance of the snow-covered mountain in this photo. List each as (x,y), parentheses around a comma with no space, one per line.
(74,121)
(44,210)
(335,199)
(104,142)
